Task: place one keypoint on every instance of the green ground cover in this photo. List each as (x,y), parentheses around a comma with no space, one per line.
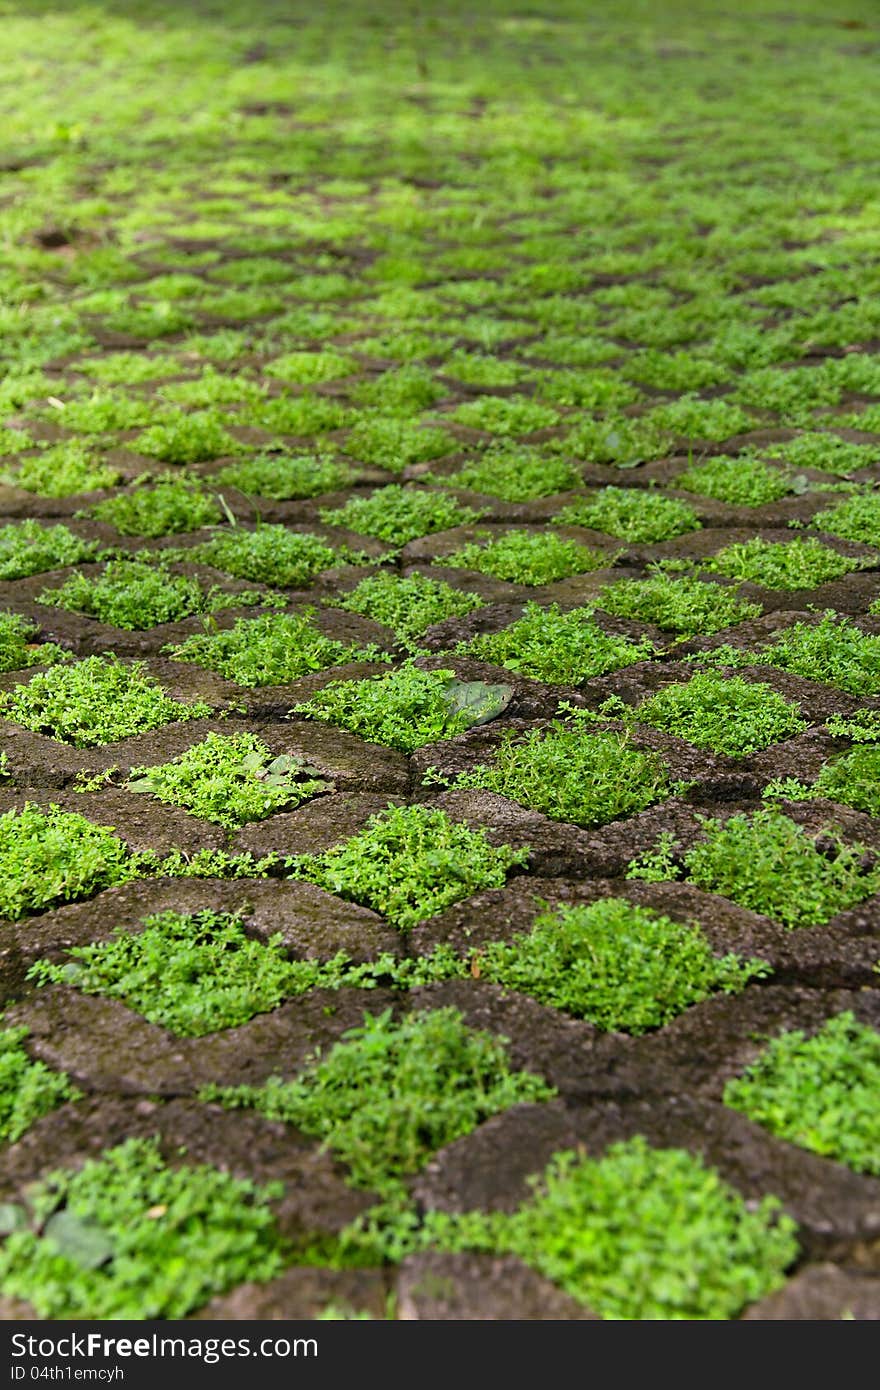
(399,269)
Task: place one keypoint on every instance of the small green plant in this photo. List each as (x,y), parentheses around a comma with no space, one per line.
(18,648)
(832,650)
(856,519)
(128,368)
(640,1233)
(675,371)
(525,558)
(632,514)
(516,473)
(269,555)
(560,648)
(55,856)
(801,1089)
(284,477)
(403,392)
(408,604)
(174,504)
(389,1094)
(106,411)
(95,701)
(188,438)
(393,443)
(126,1236)
(230,779)
(782,564)
(28,1088)
(409,863)
(136,594)
(397,514)
(505,415)
(406,708)
(862,727)
(63,470)
(619,439)
(28,548)
(731,716)
(212,388)
(823,451)
(741,480)
(191,973)
(853,779)
(296,415)
(569,775)
(769,863)
(310,368)
(699,419)
(269,650)
(686,606)
(620,966)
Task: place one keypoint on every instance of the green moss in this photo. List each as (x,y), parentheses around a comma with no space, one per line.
(633,514)
(389,1094)
(699,419)
(676,371)
(853,779)
(505,415)
(136,594)
(286,478)
(269,650)
(128,368)
(172,505)
(228,779)
(54,856)
(28,1089)
(210,389)
(94,701)
(621,967)
(481,369)
(731,716)
(740,480)
(516,473)
(800,1089)
(782,564)
(62,470)
(523,557)
(188,438)
(546,644)
(126,1236)
(823,451)
(297,415)
(792,394)
(397,514)
(309,368)
(193,974)
(568,775)
(403,392)
(18,648)
(685,606)
(107,411)
(270,554)
(408,604)
(409,862)
(640,1233)
(833,650)
(404,709)
(770,864)
(393,443)
(621,439)
(856,519)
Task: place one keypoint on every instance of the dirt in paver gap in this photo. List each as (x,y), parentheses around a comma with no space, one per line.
(440,551)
